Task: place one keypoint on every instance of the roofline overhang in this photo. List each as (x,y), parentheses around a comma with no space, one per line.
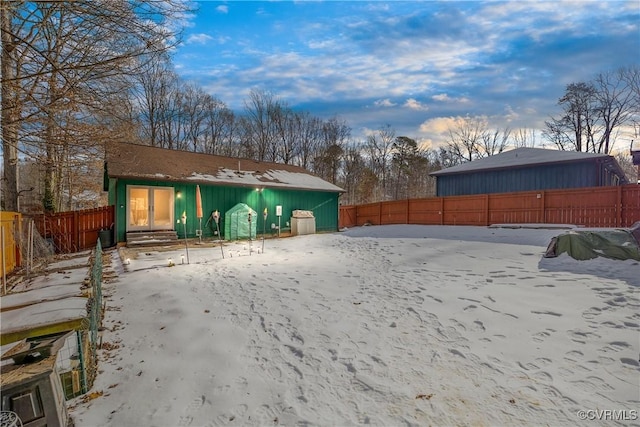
(610,160)
(224,184)
(490,169)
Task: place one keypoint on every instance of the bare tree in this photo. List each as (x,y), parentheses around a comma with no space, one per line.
(335,134)
(170,122)
(310,139)
(465,138)
(153,84)
(326,164)
(379,149)
(259,128)
(357,179)
(288,128)
(446,158)
(617,104)
(219,127)
(593,113)
(246,139)
(172,110)
(56,60)
(626,163)
(194,113)
(523,138)
(580,107)
(493,143)
(405,151)
(411,165)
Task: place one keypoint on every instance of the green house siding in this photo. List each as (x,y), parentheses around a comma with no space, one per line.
(222,198)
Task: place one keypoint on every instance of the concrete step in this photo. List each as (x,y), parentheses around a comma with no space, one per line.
(151,237)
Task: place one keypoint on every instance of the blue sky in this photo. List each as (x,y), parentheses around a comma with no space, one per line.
(415,66)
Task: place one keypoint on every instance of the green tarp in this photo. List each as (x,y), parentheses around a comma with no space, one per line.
(583,245)
(237,225)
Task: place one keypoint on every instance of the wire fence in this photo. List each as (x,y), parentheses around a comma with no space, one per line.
(76,358)
(22,248)
(95,311)
(77,361)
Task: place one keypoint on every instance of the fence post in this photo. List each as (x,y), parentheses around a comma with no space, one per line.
(379,213)
(486,210)
(76,231)
(17,233)
(619,207)
(83,363)
(441,210)
(543,208)
(407,220)
(4,257)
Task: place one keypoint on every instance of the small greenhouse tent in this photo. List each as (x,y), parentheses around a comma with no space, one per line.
(237,225)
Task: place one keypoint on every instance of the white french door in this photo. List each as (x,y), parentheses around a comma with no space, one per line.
(149,208)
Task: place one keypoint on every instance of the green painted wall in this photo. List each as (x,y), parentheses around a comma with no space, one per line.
(323,204)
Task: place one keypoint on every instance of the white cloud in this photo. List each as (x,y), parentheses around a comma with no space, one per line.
(443,97)
(414,104)
(510,114)
(425,142)
(322,44)
(199,38)
(435,131)
(222,39)
(384,103)
(368,131)
(223,8)
(377,7)
(439,125)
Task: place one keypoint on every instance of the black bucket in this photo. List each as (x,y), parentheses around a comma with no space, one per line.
(106,238)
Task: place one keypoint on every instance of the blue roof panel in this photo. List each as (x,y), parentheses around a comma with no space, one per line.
(520,157)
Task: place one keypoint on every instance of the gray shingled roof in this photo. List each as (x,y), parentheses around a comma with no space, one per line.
(522,157)
(159,164)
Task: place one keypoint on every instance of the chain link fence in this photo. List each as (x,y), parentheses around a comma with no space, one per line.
(77,360)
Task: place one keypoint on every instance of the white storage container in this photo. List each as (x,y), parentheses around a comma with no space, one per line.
(303,222)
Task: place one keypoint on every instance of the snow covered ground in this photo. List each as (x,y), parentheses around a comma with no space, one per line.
(389,325)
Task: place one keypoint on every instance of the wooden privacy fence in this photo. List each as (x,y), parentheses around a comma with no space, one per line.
(590,207)
(9,244)
(76,230)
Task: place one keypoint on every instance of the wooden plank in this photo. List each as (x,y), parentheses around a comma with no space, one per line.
(630,209)
(486,210)
(16,374)
(49,329)
(425,211)
(463,210)
(367,213)
(393,212)
(76,230)
(406,220)
(10,253)
(619,207)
